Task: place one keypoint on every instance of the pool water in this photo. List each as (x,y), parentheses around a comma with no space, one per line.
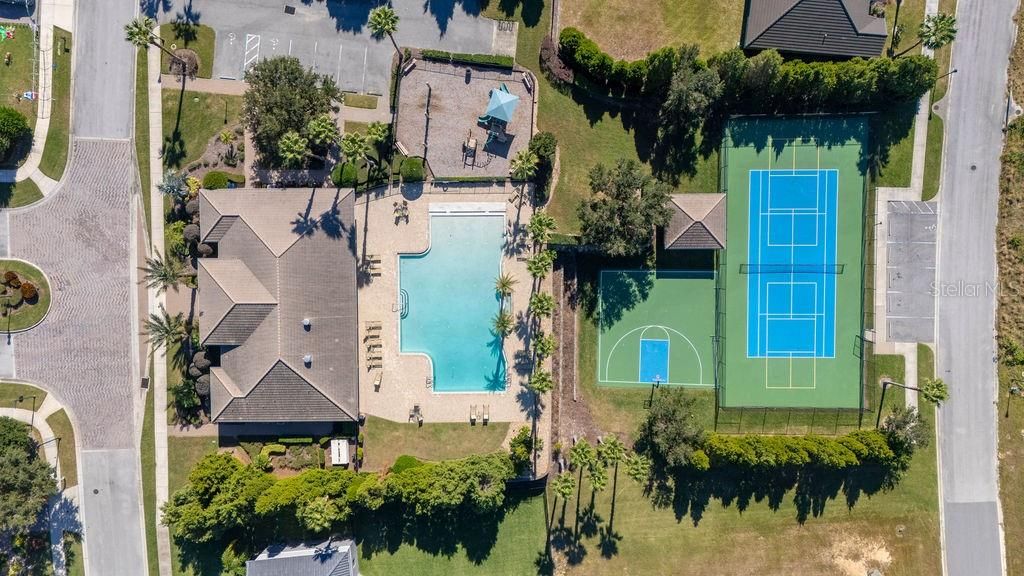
(448,302)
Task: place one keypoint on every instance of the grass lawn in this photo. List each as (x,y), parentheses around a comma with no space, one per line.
(148,451)
(26,314)
(618,29)
(61,425)
(13,195)
(386,440)
(353,126)
(17,77)
(142,129)
(75,563)
(933,158)
(55,151)
(196,37)
(9,393)
(182,454)
(892,143)
(190,119)
(353,100)
(512,547)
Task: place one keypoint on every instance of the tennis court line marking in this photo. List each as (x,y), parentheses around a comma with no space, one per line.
(611,353)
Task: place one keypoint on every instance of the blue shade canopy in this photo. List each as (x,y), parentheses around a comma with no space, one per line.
(502,105)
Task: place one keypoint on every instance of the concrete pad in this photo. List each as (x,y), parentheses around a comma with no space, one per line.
(910,271)
(111,512)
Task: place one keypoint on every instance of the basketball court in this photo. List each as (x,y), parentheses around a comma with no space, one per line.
(656,327)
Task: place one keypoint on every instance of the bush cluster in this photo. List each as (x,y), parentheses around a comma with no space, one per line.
(405,462)
(762,83)
(13,126)
(274,450)
(753,452)
(482,59)
(543,144)
(29,291)
(345,175)
(412,169)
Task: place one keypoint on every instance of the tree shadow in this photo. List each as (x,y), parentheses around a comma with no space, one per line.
(153,8)
(349,16)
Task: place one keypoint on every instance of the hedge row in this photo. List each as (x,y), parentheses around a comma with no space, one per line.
(216,180)
(647,75)
(482,59)
(863,447)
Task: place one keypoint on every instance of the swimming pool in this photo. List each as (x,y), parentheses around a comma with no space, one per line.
(447,298)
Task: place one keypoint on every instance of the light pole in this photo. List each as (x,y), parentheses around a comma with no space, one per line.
(951,72)
(32,418)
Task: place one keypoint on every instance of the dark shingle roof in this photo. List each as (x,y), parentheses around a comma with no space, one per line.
(698,222)
(323,559)
(820,27)
(283,256)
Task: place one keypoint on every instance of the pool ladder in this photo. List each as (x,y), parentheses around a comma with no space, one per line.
(403,303)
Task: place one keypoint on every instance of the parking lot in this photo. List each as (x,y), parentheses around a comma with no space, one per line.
(910,292)
(331,36)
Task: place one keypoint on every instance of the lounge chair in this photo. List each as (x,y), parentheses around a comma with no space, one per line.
(374,258)
(372,345)
(375,366)
(472,414)
(373,325)
(371,336)
(375,358)
(377,381)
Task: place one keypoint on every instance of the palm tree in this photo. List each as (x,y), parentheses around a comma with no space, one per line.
(524,165)
(323,130)
(936,31)
(638,468)
(163,273)
(934,390)
(582,456)
(384,20)
(564,485)
(293,148)
(541,382)
(503,324)
(378,132)
(139,33)
(539,265)
(504,285)
(542,304)
(611,451)
(544,346)
(540,227)
(896,29)
(164,330)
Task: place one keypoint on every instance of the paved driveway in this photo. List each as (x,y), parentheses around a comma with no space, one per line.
(332,37)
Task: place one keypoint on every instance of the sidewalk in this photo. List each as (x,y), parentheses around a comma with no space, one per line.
(158,300)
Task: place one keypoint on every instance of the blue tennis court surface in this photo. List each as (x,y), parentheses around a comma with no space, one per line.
(791,287)
(653,360)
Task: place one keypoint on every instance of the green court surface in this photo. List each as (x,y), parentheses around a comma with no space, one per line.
(656,326)
(801,350)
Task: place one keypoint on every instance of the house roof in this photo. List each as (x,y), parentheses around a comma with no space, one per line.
(306,559)
(283,257)
(821,27)
(698,222)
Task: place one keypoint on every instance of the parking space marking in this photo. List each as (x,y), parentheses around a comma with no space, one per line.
(315,45)
(337,77)
(252,50)
(289,46)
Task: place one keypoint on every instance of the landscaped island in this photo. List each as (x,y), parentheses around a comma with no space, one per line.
(24,295)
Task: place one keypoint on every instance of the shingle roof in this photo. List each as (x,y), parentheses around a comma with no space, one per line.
(283,256)
(823,27)
(323,559)
(698,222)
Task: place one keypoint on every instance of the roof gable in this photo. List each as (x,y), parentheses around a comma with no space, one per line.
(698,222)
(826,27)
(282,395)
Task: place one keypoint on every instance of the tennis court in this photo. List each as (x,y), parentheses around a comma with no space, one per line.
(656,327)
(792,271)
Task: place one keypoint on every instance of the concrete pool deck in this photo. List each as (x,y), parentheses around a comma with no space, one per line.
(404,376)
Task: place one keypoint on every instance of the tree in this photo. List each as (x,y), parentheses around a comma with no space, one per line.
(670,433)
(378,132)
(13,126)
(284,96)
(582,455)
(542,304)
(164,330)
(356,147)
(544,345)
(322,131)
(522,448)
(934,390)
(541,382)
(523,165)
(693,91)
(26,480)
(163,273)
(564,485)
(904,432)
(539,265)
(139,33)
(383,20)
(624,209)
(318,515)
(598,478)
(540,227)
(638,467)
(936,31)
(504,285)
(173,184)
(503,324)
(611,450)
(293,148)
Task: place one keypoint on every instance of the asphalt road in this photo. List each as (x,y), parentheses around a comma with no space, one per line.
(967,288)
(330,36)
(104,64)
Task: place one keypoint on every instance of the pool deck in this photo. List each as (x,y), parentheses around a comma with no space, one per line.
(404,381)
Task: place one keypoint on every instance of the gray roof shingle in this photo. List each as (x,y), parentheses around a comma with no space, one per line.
(821,27)
(323,559)
(698,222)
(283,256)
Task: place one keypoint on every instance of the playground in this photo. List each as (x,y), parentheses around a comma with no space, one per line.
(793,270)
(656,327)
(17,80)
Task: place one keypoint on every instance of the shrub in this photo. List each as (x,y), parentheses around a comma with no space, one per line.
(482,59)
(14,297)
(262,462)
(543,144)
(412,169)
(190,233)
(273,450)
(10,276)
(28,291)
(214,180)
(359,454)
(176,245)
(360,439)
(345,175)
(13,126)
(294,441)
(203,386)
(405,462)
(301,457)
(253,449)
